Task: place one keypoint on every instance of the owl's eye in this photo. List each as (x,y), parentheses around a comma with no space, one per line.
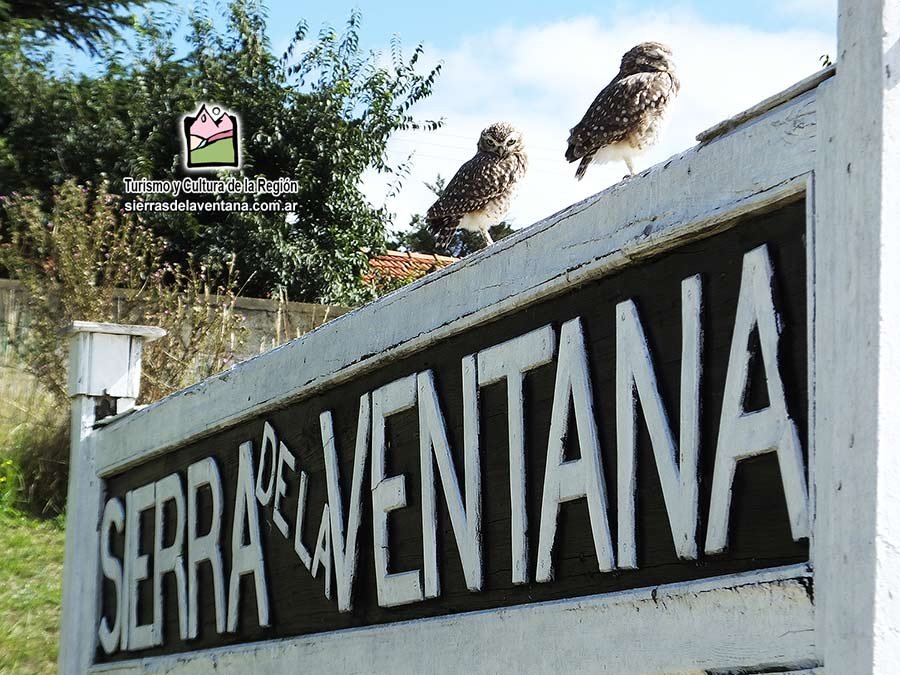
(511,141)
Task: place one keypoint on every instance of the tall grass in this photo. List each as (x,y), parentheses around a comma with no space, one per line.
(34,445)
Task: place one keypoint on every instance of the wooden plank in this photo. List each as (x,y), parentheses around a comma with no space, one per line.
(766,105)
(858,335)
(721,623)
(761,530)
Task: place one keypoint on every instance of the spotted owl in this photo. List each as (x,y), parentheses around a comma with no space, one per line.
(625,118)
(479,195)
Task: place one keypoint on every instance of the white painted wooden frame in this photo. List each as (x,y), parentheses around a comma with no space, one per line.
(764,620)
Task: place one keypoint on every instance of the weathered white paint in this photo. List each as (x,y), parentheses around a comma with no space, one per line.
(267,457)
(137,567)
(766,105)
(205,548)
(510,361)
(345,551)
(322,553)
(582,478)
(96,365)
(465,516)
(246,558)
(300,520)
(857,388)
(763,619)
(113,516)
(91,377)
(742,623)
(285,459)
(169,558)
(744,434)
(676,465)
(389,494)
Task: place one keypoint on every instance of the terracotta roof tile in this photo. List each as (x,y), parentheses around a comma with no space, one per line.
(405,265)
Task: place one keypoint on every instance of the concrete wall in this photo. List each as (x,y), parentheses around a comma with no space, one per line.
(269,322)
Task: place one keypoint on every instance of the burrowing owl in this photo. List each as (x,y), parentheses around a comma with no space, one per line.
(625,118)
(479,195)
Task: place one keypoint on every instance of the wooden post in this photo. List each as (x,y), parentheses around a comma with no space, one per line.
(104,379)
(857,243)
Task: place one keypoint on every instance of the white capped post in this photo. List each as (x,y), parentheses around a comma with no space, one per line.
(857,331)
(104,378)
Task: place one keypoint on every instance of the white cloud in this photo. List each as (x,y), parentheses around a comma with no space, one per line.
(543,78)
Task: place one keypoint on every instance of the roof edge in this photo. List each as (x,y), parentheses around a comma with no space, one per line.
(764,106)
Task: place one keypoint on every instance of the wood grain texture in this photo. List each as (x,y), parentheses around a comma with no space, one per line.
(725,626)
(760,529)
(857,330)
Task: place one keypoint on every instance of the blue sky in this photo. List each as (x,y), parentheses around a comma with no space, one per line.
(441,23)
(539,64)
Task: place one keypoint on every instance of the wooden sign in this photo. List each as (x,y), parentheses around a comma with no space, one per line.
(641,428)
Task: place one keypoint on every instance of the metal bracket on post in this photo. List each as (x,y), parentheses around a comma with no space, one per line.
(104,379)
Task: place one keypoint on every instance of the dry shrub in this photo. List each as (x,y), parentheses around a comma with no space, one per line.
(86,259)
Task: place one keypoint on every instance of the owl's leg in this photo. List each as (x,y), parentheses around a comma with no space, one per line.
(487,237)
(629,165)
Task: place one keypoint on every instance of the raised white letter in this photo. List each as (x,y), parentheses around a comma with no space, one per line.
(169,559)
(345,553)
(322,555)
(113,516)
(510,361)
(299,546)
(136,565)
(205,548)
(285,456)
(269,447)
(636,378)
(466,520)
(389,494)
(578,478)
(745,434)
(246,559)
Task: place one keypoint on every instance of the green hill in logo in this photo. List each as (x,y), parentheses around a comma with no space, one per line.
(219,152)
(211,138)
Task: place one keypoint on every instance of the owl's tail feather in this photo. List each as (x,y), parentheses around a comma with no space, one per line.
(443,230)
(585,162)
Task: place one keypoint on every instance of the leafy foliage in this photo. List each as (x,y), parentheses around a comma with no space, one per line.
(321,113)
(86,260)
(82,23)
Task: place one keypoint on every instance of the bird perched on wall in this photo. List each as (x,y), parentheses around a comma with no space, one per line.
(625,118)
(479,195)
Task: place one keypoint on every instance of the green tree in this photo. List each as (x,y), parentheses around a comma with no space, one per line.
(82,23)
(321,113)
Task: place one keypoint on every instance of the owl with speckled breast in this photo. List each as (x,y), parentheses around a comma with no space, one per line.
(625,118)
(480,193)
